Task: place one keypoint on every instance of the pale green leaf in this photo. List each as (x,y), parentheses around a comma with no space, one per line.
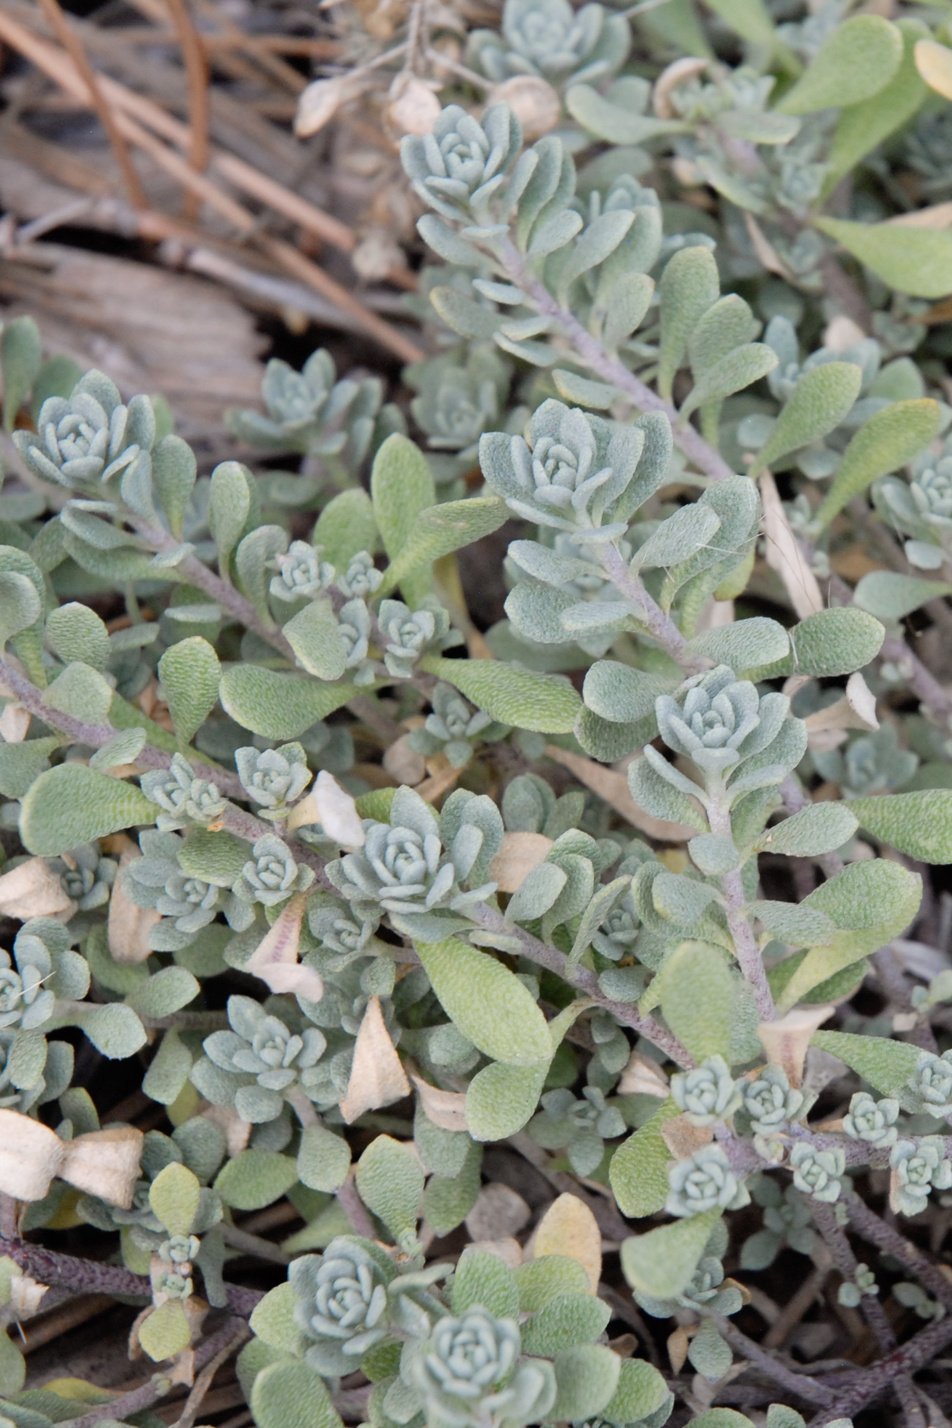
(345,527)
(314,636)
(390,1183)
(638,1173)
(689,286)
(501,1099)
(253,1179)
(821,399)
(835,641)
(891,595)
(524,698)
(886,1064)
(917,261)
(292,1395)
(864,126)
(859,58)
(888,440)
(734,372)
(21,353)
(744,645)
(279,706)
(486,1002)
(73,804)
(661,1262)
(190,674)
(174,1197)
(165,1331)
(917,824)
(698,997)
(74,632)
(484,1279)
(586,1378)
(819,828)
(441,530)
(323,1159)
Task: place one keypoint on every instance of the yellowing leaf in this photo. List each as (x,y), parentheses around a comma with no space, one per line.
(934,63)
(569,1228)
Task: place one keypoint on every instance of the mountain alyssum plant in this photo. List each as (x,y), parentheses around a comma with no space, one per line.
(619,888)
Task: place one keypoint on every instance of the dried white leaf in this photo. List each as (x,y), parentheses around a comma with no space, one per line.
(30,1156)
(682,1138)
(676,74)
(856,709)
(446,1109)
(787,1040)
(14,724)
(275,959)
(320,101)
(237,1132)
(33,890)
(611,784)
(784,554)
(333,808)
(413,107)
(26,1296)
(643,1077)
(128,926)
(104,1163)
(519,854)
(533,101)
(377,1077)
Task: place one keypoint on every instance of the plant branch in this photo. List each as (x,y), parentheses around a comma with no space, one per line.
(586,982)
(702,456)
(660,626)
(91,1276)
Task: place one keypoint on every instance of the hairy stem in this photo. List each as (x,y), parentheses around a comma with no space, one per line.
(586,982)
(748,954)
(645,608)
(90,1276)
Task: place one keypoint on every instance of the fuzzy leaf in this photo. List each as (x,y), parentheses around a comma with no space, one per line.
(918,824)
(21,353)
(165,1331)
(74,632)
(482,1278)
(569,1228)
(113,1029)
(486,1002)
(870,902)
(744,645)
(292,1395)
(390,1183)
(661,1262)
(888,440)
(917,261)
(346,526)
(253,1179)
(501,1099)
(72,804)
(572,1319)
(887,1065)
(698,998)
(315,637)
(818,829)
(857,60)
(821,399)
(174,1197)
(835,641)
(323,1159)
(190,674)
(890,595)
(688,530)
(441,530)
(638,1172)
(621,694)
(543,703)
(586,1378)
(734,372)
(278,706)
(401,486)
(689,286)
(230,500)
(864,126)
